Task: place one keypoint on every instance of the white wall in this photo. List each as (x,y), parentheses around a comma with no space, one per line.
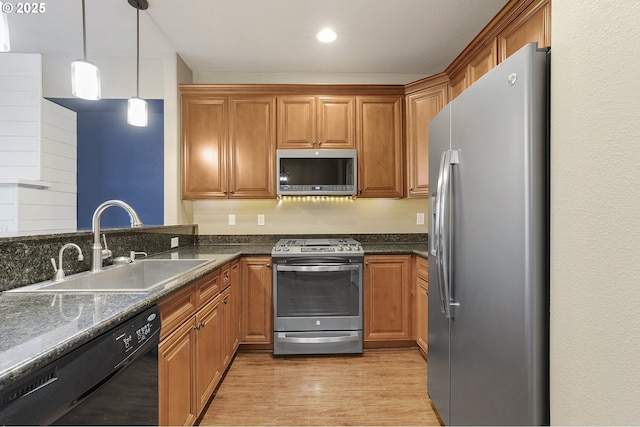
(37,152)
(595,213)
(117,76)
(176,72)
(20,98)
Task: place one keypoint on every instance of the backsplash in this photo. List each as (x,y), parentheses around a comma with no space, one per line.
(26,260)
(267,239)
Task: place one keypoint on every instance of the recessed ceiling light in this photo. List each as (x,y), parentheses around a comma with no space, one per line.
(327,35)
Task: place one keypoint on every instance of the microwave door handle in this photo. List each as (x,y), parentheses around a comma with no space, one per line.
(318,268)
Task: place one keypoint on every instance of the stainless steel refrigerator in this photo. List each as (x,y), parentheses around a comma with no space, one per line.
(488,352)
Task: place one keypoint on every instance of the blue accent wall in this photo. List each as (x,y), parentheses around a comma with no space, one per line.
(120,161)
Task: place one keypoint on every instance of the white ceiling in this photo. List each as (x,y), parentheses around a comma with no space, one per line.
(264,36)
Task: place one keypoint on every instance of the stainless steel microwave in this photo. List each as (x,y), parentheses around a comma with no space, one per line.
(317,172)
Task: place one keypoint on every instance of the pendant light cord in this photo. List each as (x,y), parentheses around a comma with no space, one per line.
(137,51)
(84,34)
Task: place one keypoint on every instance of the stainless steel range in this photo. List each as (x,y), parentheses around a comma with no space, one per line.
(317,296)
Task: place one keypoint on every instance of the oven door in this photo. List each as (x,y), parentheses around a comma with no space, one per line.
(317,295)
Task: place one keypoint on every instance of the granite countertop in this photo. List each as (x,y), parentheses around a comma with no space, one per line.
(37,328)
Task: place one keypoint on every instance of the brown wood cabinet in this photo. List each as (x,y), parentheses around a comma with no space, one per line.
(257,305)
(228,147)
(532,25)
(422,107)
(316,122)
(422,303)
(175,377)
(387,296)
(235,296)
(208,365)
(457,84)
(198,340)
(380,148)
(482,62)
(518,23)
(205,129)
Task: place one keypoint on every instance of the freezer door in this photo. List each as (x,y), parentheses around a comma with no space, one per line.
(499,349)
(438,374)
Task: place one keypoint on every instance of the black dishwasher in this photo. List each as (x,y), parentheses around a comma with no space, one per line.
(112,380)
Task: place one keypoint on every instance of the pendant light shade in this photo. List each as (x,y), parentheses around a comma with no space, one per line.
(137,108)
(5,46)
(85,76)
(85,80)
(137,112)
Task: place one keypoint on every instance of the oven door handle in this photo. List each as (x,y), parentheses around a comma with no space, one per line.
(282,337)
(318,268)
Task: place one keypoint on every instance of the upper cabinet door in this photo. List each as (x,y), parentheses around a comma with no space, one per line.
(296,122)
(532,25)
(252,148)
(422,107)
(483,62)
(316,122)
(204,142)
(379,142)
(335,122)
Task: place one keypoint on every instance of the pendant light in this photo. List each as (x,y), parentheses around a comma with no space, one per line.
(137,108)
(85,76)
(5,46)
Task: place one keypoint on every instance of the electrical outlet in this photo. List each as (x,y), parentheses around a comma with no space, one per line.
(260,219)
(420,218)
(232,219)
(175,242)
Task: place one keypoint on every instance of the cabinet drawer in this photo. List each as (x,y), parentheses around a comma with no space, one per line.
(422,268)
(207,288)
(176,309)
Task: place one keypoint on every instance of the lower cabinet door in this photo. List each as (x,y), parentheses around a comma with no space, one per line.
(387,298)
(422,313)
(175,376)
(208,352)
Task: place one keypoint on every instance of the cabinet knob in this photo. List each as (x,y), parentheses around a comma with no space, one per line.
(226,274)
(268,265)
(231,191)
(225,301)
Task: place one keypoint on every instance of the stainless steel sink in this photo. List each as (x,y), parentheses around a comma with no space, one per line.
(140,276)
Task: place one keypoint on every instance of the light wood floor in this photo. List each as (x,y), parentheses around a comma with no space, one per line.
(382,387)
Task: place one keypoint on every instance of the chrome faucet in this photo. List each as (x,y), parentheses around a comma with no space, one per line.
(97,252)
(59,275)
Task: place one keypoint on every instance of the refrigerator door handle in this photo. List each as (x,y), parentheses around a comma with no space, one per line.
(438,231)
(432,224)
(446,233)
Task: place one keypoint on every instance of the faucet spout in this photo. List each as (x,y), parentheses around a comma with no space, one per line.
(59,276)
(97,252)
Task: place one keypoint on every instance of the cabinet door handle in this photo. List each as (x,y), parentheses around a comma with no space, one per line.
(225,301)
(226,275)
